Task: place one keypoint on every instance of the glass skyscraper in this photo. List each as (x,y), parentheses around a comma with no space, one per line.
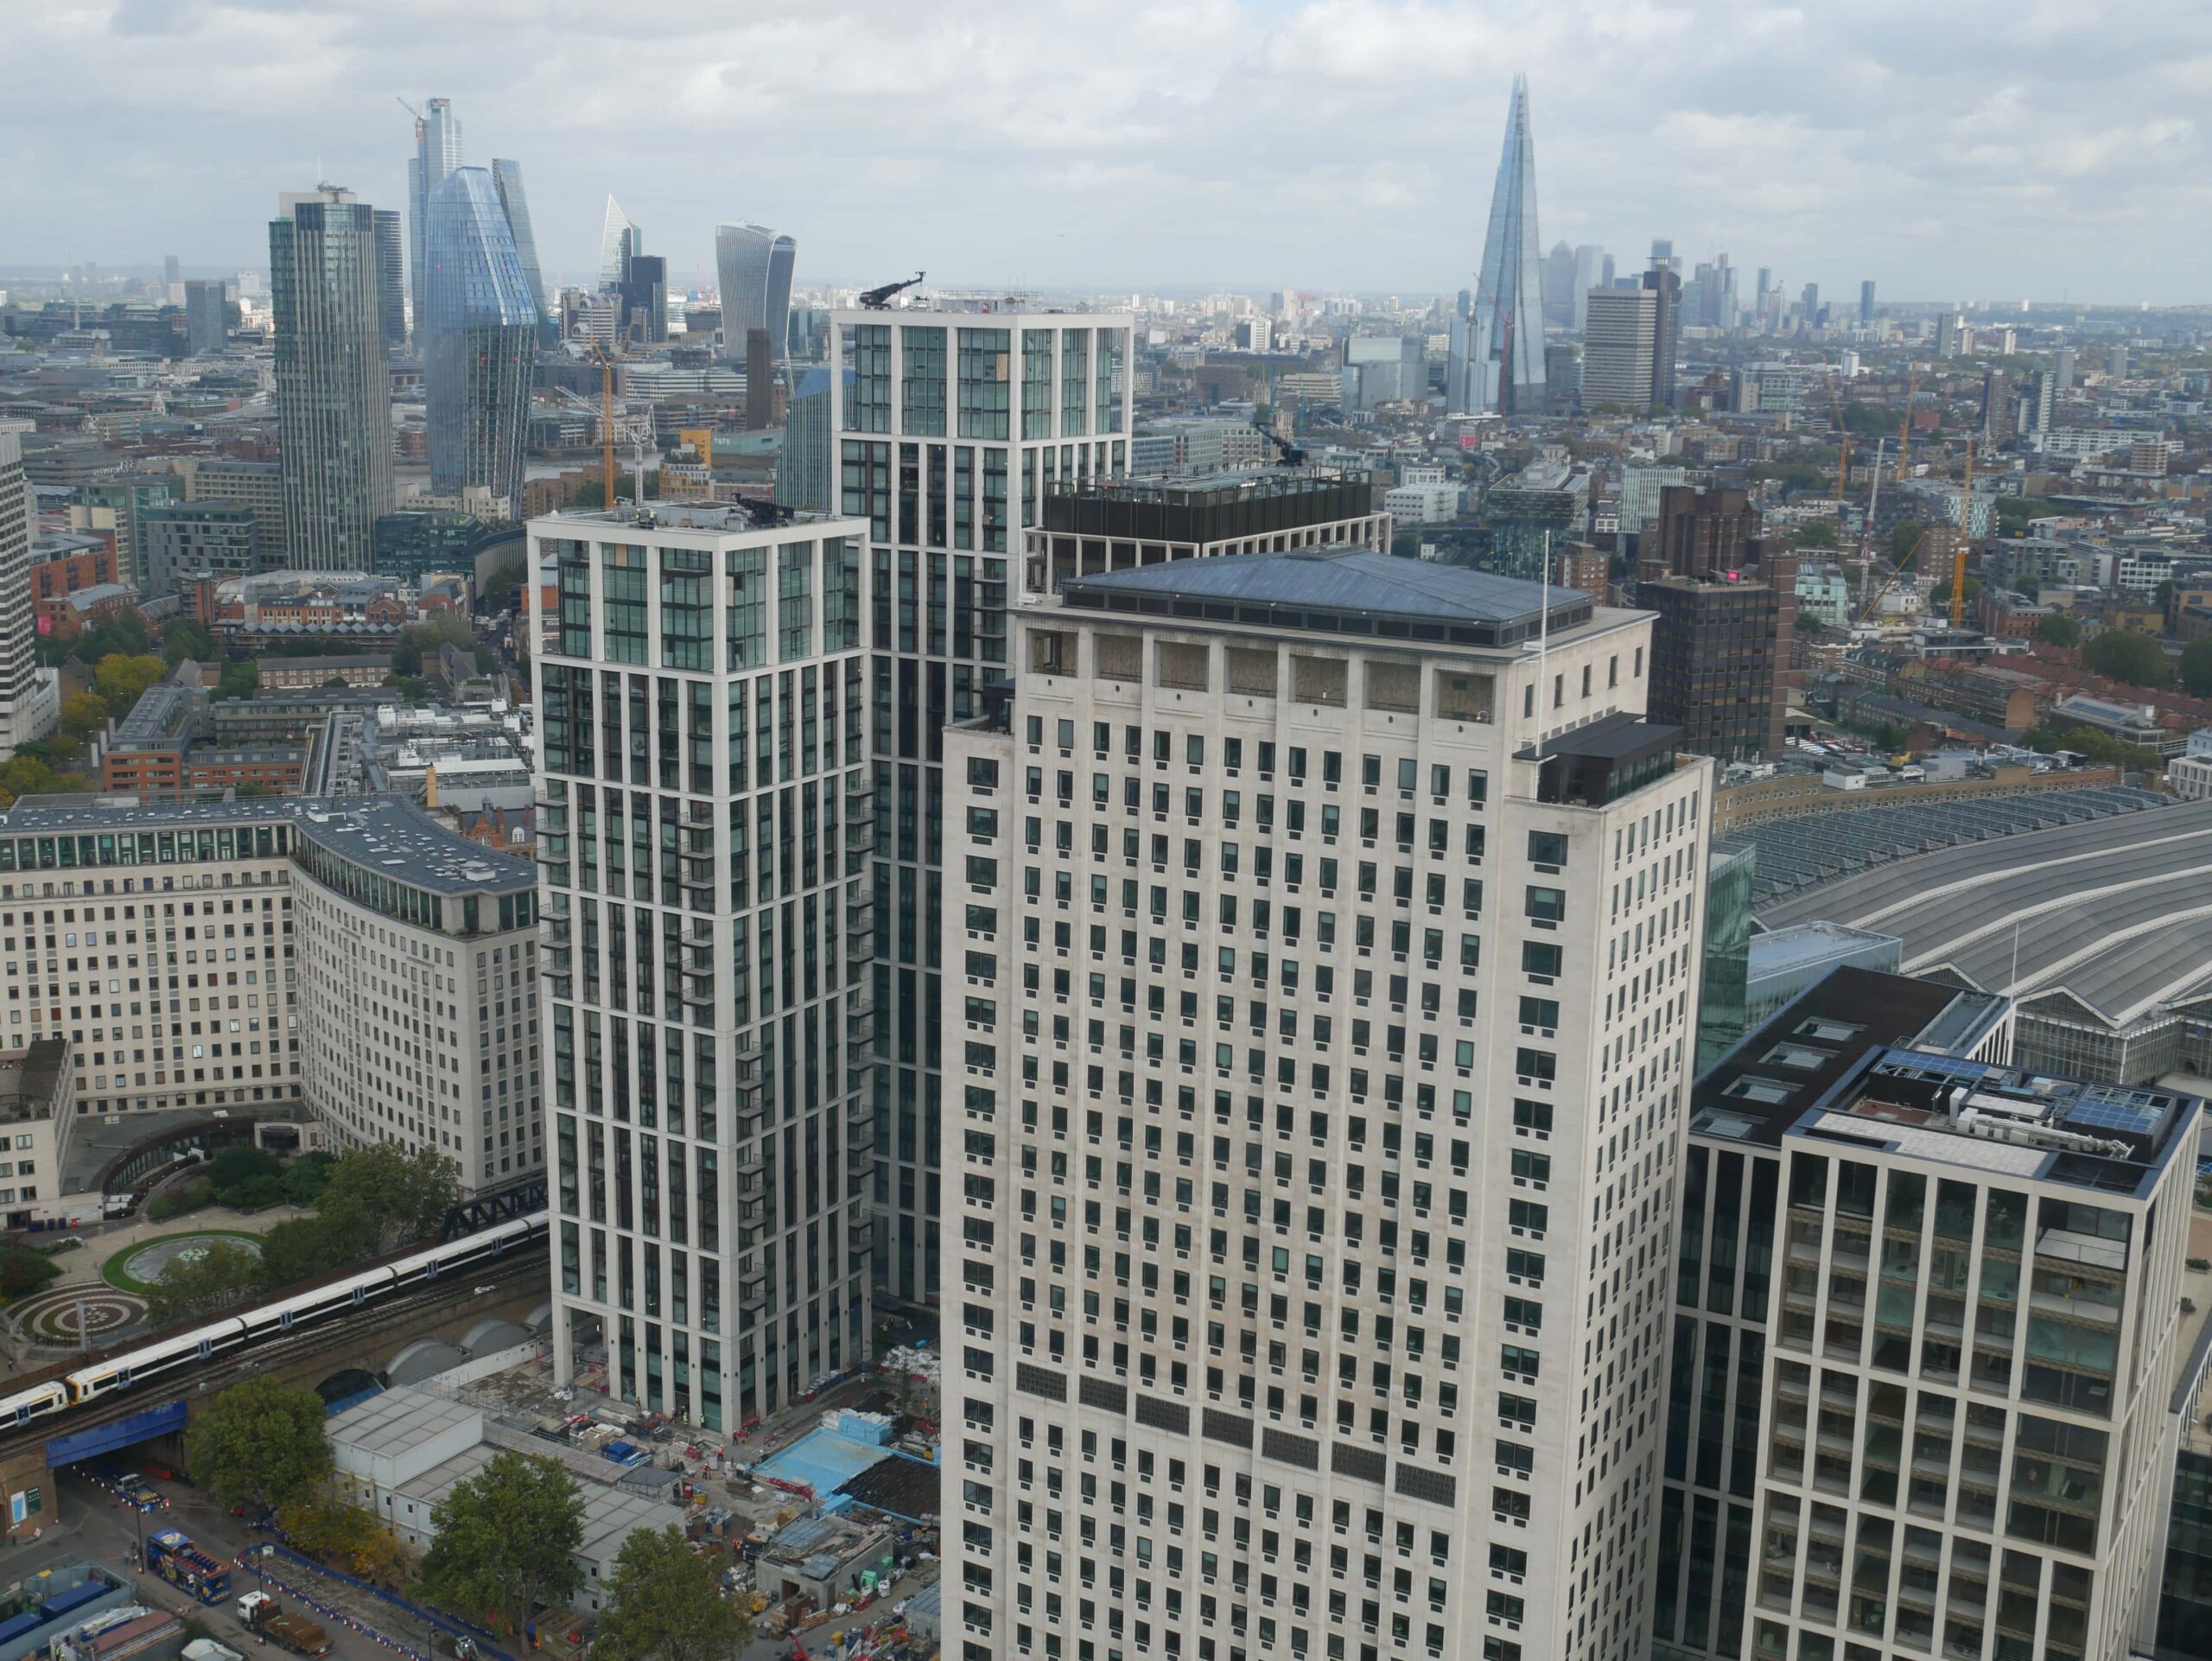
(753,266)
(391,297)
(954,422)
(334,389)
(506,178)
(480,337)
(437,152)
(805,478)
(1509,319)
(619,242)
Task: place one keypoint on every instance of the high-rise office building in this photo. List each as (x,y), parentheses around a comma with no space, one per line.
(1559,286)
(703,859)
(2063,373)
(259,485)
(391,296)
(507,179)
(619,242)
(1460,386)
(955,425)
(760,381)
(1335,996)
(1507,333)
(207,316)
(437,152)
(1924,1339)
(478,332)
(334,388)
(1665,286)
(806,474)
(1726,609)
(1620,345)
(1867,302)
(753,266)
(171,280)
(644,291)
(31,697)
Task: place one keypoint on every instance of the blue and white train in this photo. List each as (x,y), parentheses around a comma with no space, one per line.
(128,1369)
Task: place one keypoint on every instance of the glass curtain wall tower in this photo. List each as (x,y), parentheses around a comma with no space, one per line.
(437,152)
(391,296)
(334,389)
(506,178)
(953,423)
(480,335)
(1509,320)
(703,848)
(753,266)
(619,242)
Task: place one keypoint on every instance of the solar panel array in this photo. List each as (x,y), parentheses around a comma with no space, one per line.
(2095,1113)
(1795,855)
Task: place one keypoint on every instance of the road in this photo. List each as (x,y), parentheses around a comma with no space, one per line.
(95,1528)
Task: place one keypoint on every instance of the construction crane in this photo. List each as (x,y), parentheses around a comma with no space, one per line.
(879,299)
(1843,446)
(1961,543)
(1866,531)
(1290,455)
(607,361)
(1904,427)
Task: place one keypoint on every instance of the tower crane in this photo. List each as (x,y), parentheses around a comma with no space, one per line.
(1960,545)
(1843,446)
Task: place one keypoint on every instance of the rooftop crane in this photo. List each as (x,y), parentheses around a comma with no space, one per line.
(1291,455)
(879,299)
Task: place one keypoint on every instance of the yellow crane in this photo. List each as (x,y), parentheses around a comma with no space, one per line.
(606,420)
(1842,447)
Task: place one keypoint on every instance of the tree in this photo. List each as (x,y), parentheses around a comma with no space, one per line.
(83,713)
(2196,668)
(2122,655)
(2059,630)
(23,1271)
(26,775)
(1903,538)
(306,1177)
(240,1163)
(346,1536)
(181,638)
(1816,533)
(306,1247)
(122,679)
(2101,748)
(238,680)
(259,1444)
(218,1274)
(665,1603)
(394,1197)
(506,1542)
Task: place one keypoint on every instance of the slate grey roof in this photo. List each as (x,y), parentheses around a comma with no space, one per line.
(2117,912)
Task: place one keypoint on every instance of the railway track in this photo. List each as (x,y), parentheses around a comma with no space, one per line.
(219,1372)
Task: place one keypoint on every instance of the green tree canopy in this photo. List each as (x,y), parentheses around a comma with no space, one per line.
(393,1195)
(306,1247)
(121,680)
(220,1274)
(506,1542)
(83,713)
(181,638)
(2059,630)
(1816,533)
(2101,748)
(259,1444)
(2196,668)
(22,1269)
(2123,655)
(665,1603)
(238,680)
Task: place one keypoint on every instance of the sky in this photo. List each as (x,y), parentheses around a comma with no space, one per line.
(1965,150)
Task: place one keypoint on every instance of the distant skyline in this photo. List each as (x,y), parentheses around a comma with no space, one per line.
(1979,151)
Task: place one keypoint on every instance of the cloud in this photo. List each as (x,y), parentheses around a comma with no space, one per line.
(1973,148)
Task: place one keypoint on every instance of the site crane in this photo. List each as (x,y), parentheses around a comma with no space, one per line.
(1290,455)
(1842,447)
(879,299)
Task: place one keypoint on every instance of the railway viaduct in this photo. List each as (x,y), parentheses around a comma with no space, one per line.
(367,1341)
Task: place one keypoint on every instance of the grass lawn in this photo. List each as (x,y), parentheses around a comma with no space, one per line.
(116,1274)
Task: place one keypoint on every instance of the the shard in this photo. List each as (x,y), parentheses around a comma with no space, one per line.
(1506,373)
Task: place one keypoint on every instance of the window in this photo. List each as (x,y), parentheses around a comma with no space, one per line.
(1547,905)
(1547,848)
(1542,959)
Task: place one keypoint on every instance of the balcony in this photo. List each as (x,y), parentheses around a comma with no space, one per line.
(752,1174)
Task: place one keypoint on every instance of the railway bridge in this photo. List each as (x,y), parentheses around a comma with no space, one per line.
(340,1355)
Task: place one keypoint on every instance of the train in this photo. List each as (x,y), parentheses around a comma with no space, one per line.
(130,1368)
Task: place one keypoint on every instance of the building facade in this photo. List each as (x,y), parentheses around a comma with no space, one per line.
(703,853)
(1925,1340)
(753,266)
(207,316)
(417,983)
(956,425)
(259,485)
(31,697)
(186,538)
(334,390)
(437,152)
(478,330)
(1329,933)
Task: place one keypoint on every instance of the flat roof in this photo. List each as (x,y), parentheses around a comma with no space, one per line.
(1339,590)
(388,835)
(1782,951)
(395,1422)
